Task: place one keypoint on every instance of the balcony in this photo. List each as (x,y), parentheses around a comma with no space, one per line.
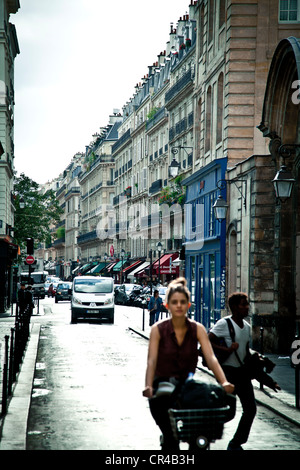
(126,136)
(179,86)
(156,118)
(87,237)
(155,187)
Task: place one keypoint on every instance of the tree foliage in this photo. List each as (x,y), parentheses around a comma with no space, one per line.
(41,211)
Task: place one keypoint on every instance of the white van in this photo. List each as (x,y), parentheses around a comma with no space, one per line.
(92,297)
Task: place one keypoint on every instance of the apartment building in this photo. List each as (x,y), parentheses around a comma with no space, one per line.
(235,45)
(157,128)
(9,49)
(97,193)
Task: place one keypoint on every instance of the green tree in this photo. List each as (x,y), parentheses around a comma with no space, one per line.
(40,211)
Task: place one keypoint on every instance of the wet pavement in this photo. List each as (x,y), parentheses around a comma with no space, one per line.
(86,383)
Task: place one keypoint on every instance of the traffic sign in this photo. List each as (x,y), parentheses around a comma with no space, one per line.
(30,260)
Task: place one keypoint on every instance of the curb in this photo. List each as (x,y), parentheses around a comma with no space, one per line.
(15,421)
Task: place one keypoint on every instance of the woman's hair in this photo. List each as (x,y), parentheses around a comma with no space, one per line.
(178,285)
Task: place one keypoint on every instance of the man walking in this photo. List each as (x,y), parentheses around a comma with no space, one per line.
(154,307)
(235,373)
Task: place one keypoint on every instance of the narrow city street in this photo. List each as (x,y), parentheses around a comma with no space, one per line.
(88,385)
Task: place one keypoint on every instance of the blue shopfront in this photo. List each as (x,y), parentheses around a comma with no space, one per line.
(205,243)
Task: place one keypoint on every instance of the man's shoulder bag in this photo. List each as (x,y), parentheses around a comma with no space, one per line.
(220,354)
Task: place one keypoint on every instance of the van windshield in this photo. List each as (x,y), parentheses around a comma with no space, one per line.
(95,286)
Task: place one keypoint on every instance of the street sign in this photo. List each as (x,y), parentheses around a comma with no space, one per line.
(30,260)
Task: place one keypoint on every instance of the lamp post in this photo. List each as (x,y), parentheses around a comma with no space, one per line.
(105,258)
(122,257)
(150,256)
(159,248)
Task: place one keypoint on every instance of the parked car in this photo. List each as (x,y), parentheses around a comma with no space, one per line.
(63,291)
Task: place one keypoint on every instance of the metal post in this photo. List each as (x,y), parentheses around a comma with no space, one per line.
(297,386)
(261,348)
(11,362)
(261,340)
(143,327)
(150,256)
(4,383)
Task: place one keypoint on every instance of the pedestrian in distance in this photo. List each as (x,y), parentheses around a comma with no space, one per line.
(22,299)
(154,307)
(173,355)
(236,352)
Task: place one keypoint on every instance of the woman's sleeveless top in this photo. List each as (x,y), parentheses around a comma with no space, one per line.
(174,360)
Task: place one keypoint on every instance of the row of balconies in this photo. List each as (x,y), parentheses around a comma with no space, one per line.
(123,169)
(179,86)
(95,188)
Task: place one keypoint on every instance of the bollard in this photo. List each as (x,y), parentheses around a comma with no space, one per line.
(261,349)
(4,383)
(11,377)
(143,326)
(261,340)
(297,386)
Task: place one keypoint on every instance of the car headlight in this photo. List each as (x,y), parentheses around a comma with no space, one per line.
(108,301)
(77,301)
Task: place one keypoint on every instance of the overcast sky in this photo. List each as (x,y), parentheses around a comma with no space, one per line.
(79,60)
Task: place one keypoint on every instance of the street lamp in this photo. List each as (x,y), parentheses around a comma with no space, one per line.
(159,248)
(22,203)
(283,183)
(220,208)
(174,168)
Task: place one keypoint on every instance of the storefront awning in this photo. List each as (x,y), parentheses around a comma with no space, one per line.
(138,269)
(119,265)
(110,266)
(134,265)
(165,264)
(97,269)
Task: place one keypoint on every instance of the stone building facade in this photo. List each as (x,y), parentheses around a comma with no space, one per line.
(9,49)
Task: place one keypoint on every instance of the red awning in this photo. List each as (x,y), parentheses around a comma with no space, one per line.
(132,265)
(165,264)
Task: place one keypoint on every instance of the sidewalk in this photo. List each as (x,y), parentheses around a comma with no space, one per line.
(282,402)
(14,423)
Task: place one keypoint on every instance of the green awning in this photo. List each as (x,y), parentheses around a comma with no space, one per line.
(97,269)
(119,265)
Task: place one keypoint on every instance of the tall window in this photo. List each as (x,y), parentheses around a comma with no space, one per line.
(220,108)
(201,38)
(222,12)
(208,115)
(288,10)
(211,20)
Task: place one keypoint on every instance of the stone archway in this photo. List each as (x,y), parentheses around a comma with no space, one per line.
(280,123)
